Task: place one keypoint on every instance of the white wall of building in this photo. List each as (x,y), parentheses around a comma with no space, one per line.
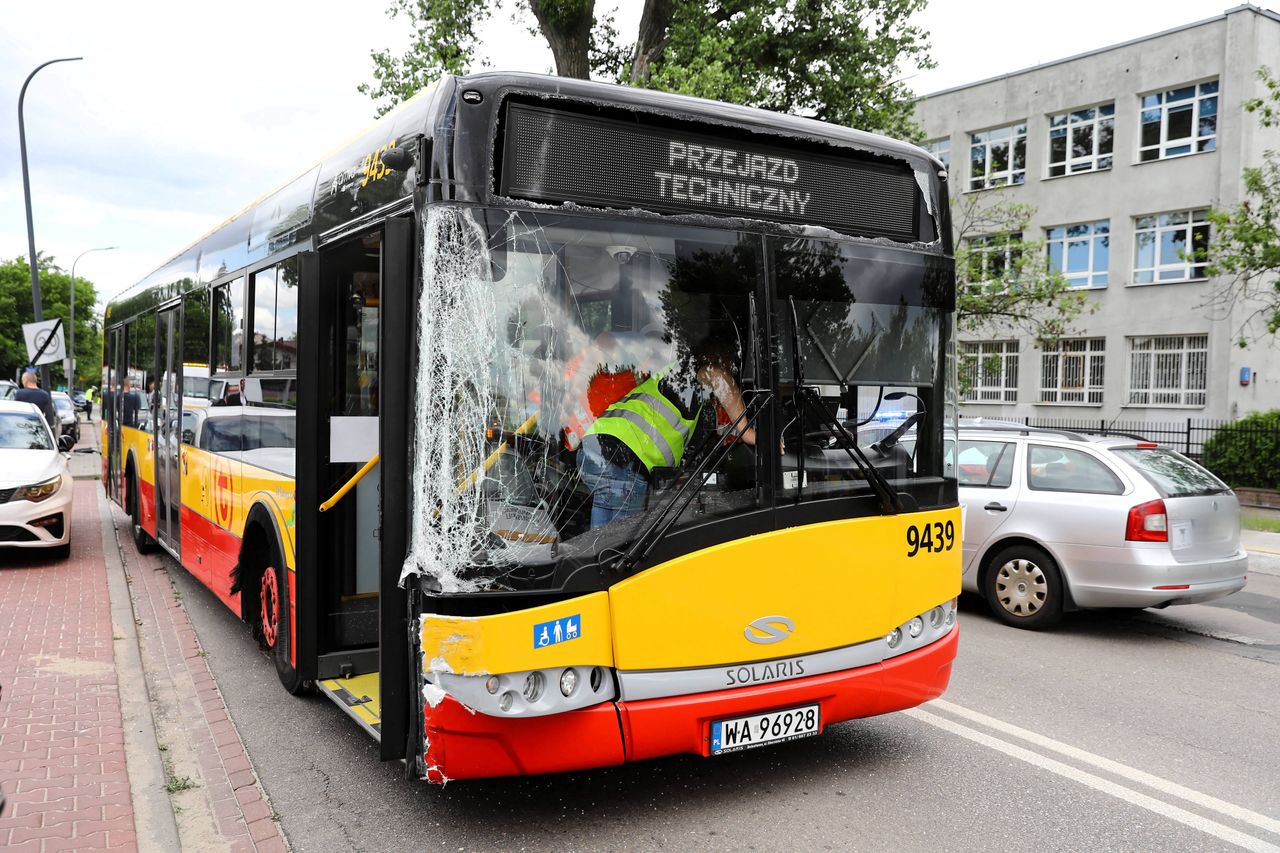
(1228,48)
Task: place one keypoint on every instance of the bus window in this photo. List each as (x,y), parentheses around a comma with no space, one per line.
(228,330)
(262,343)
(275,317)
(195,346)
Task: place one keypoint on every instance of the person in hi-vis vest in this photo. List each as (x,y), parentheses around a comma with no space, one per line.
(648,428)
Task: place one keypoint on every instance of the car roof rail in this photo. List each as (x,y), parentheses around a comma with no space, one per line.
(1023,429)
(1130,435)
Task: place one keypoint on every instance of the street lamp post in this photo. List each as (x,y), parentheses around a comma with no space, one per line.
(26,195)
(71,327)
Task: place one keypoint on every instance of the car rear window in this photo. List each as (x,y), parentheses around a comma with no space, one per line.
(1060,469)
(1172,474)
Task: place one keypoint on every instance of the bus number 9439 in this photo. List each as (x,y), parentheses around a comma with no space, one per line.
(933,538)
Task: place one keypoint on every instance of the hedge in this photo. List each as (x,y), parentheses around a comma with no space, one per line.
(1247,453)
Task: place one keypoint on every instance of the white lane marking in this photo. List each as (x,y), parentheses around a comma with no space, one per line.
(1164,786)
(1195,821)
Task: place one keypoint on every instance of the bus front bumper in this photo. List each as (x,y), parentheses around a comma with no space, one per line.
(462,744)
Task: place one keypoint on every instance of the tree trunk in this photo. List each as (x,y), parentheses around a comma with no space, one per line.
(651,39)
(566,25)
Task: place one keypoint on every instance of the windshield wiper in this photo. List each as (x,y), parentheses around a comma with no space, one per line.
(890,503)
(664,518)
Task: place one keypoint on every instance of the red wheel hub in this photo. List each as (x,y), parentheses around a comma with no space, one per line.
(269,601)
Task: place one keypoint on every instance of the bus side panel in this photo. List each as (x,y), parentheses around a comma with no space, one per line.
(137,445)
(251,487)
(223,528)
(195,512)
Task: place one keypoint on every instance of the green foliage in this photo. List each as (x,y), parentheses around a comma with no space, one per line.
(55,297)
(1247,453)
(839,61)
(445,35)
(1003,280)
(1244,243)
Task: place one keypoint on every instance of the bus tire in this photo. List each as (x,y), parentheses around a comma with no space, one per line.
(1023,587)
(274,627)
(141,539)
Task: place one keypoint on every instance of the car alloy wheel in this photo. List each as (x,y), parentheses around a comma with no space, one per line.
(1021,587)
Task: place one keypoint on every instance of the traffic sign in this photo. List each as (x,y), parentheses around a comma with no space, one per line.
(44,341)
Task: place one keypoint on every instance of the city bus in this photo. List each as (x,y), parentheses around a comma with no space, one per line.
(540,439)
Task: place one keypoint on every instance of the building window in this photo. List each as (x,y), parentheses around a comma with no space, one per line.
(993,257)
(1071,371)
(1080,141)
(1170,246)
(1170,370)
(940,148)
(998,157)
(991,371)
(1179,121)
(1081,252)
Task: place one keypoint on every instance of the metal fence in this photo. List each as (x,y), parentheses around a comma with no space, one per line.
(1187,437)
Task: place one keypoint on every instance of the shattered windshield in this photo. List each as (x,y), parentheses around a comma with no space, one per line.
(576,372)
(572,371)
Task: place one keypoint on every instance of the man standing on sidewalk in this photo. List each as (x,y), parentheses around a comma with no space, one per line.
(30,392)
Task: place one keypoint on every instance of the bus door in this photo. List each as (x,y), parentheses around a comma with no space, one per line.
(109,407)
(166,418)
(350,536)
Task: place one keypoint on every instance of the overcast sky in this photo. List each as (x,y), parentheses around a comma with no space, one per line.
(176,119)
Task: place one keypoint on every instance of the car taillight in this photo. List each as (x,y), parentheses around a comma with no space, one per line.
(1148,522)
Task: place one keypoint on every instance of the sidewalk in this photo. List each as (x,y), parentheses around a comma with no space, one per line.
(93,755)
(1260,540)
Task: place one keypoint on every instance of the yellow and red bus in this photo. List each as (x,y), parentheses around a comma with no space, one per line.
(400,457)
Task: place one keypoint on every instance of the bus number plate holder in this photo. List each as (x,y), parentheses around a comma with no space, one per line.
(738,733)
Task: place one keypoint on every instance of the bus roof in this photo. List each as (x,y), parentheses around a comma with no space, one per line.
(349,185)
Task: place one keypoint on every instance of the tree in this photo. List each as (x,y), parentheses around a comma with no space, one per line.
(55,295)
(1003,282)
(838,61)
(1244,242)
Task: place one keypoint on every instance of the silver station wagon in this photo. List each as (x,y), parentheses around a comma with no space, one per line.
(1057,521)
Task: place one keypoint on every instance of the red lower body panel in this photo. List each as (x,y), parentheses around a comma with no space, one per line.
(466,745)
(147,506)
(462,744)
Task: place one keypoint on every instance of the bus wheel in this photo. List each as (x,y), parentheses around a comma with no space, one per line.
(1024,587)
(282,646)
(141,539)
(269,608)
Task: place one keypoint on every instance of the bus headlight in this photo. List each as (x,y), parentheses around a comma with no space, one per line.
(527,693)
(920,631)
(568,681)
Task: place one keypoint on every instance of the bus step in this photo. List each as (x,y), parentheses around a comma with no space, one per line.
(359,697)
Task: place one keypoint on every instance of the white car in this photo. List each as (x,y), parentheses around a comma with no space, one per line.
(35,483)
(1058,521)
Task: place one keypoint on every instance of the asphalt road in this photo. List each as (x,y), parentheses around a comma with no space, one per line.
(1154,731)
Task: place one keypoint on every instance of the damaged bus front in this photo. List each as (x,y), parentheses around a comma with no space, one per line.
(678,477)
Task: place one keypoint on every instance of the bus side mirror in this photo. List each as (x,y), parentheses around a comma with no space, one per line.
(65,443)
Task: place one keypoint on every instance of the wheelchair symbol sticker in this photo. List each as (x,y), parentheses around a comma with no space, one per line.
(557,631)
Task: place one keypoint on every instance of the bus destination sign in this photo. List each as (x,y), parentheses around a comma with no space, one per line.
(552,156)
